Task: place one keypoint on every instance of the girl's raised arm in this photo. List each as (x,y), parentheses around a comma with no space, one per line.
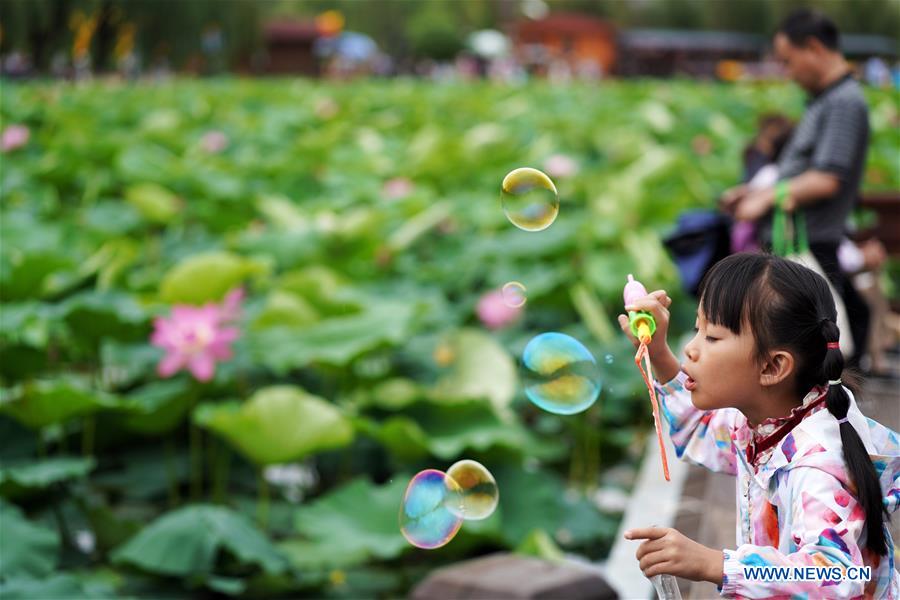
(701,437)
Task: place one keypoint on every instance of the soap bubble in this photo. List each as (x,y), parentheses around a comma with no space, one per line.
(478,490)
(529,199)
(425,519)
(560,374)
(513,294)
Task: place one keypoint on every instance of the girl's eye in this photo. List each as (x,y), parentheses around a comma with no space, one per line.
(696,329)
(711,339)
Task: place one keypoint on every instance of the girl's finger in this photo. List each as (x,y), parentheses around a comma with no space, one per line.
(626,328)
(651,560)
(663,298)
(649,547)
(646,533)
(661,568)
(649,304)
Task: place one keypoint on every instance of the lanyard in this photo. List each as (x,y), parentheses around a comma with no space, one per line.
(647,374)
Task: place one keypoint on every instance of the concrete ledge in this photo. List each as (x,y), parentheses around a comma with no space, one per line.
(505,575)
(654,501)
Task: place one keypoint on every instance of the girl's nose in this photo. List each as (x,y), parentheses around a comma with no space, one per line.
(690,350)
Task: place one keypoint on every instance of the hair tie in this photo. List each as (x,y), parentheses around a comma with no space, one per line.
(844,420)
(834,381)
(833,345)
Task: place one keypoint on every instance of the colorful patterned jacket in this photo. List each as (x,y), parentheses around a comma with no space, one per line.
(797,505)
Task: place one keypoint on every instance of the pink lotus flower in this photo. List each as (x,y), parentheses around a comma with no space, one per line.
(560,165)
(14,136)
(397,187)
(494,312)
(214,142)
(197,337)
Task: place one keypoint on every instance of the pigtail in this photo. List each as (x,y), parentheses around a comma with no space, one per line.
(859,465)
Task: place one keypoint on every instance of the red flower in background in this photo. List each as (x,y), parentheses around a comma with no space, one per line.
(196,338)
(494,312)
(13,137)
(214,142)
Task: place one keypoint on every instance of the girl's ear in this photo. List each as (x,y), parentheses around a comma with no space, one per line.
(778,367)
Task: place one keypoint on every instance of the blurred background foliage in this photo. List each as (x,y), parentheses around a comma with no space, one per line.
(363,222)
(403,29)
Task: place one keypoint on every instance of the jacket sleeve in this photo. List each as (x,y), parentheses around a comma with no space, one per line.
(826,522)
(700,437)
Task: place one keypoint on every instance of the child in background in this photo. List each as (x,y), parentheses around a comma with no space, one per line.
(760,397)
(760,171)
(863,263)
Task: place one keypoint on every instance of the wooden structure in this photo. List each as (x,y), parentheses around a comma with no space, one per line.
(572,37)
(667,52)
(289,47)
(501,576)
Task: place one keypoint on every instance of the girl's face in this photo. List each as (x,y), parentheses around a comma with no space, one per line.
(721,367)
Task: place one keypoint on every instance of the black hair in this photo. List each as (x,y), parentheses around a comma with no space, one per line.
(788,306)
(805,23)
(777,129)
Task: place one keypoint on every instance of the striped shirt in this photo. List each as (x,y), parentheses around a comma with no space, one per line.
(833,136)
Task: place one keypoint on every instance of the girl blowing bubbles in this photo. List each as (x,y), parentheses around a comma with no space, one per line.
(760,396)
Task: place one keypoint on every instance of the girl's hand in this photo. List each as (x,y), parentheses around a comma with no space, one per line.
(667,551)
(657,304)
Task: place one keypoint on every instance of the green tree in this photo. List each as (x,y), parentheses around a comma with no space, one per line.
(435,33)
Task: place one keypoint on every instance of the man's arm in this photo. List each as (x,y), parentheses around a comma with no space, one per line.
(842,141)
(806,188)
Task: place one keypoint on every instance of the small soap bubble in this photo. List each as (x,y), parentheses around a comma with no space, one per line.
(425,519)
(478,489)
(529,199)
(561,375)
(609,359)
(513,294)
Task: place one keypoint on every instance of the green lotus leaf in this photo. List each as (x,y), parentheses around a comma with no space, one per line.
(448,430)
(26,549)
(284,309)
(336,340)
(41,403)
(154,202)
(206,277)
(278,424)
(15,475)
(157,407)
(56,585)
(188,541)
(481,368)
(350,524)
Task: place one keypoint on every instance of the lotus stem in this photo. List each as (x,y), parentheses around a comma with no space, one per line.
(262,506)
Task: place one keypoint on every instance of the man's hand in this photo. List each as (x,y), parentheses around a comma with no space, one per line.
(667,551)
(732,197)
(756,204)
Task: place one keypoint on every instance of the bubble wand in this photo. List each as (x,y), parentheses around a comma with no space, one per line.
(643,326)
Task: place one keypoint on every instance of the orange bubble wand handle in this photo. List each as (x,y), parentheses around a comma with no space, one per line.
(647,374)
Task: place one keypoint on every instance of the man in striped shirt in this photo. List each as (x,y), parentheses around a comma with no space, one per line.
(824,160)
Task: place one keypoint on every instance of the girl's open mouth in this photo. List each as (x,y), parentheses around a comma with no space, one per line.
(690,384)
